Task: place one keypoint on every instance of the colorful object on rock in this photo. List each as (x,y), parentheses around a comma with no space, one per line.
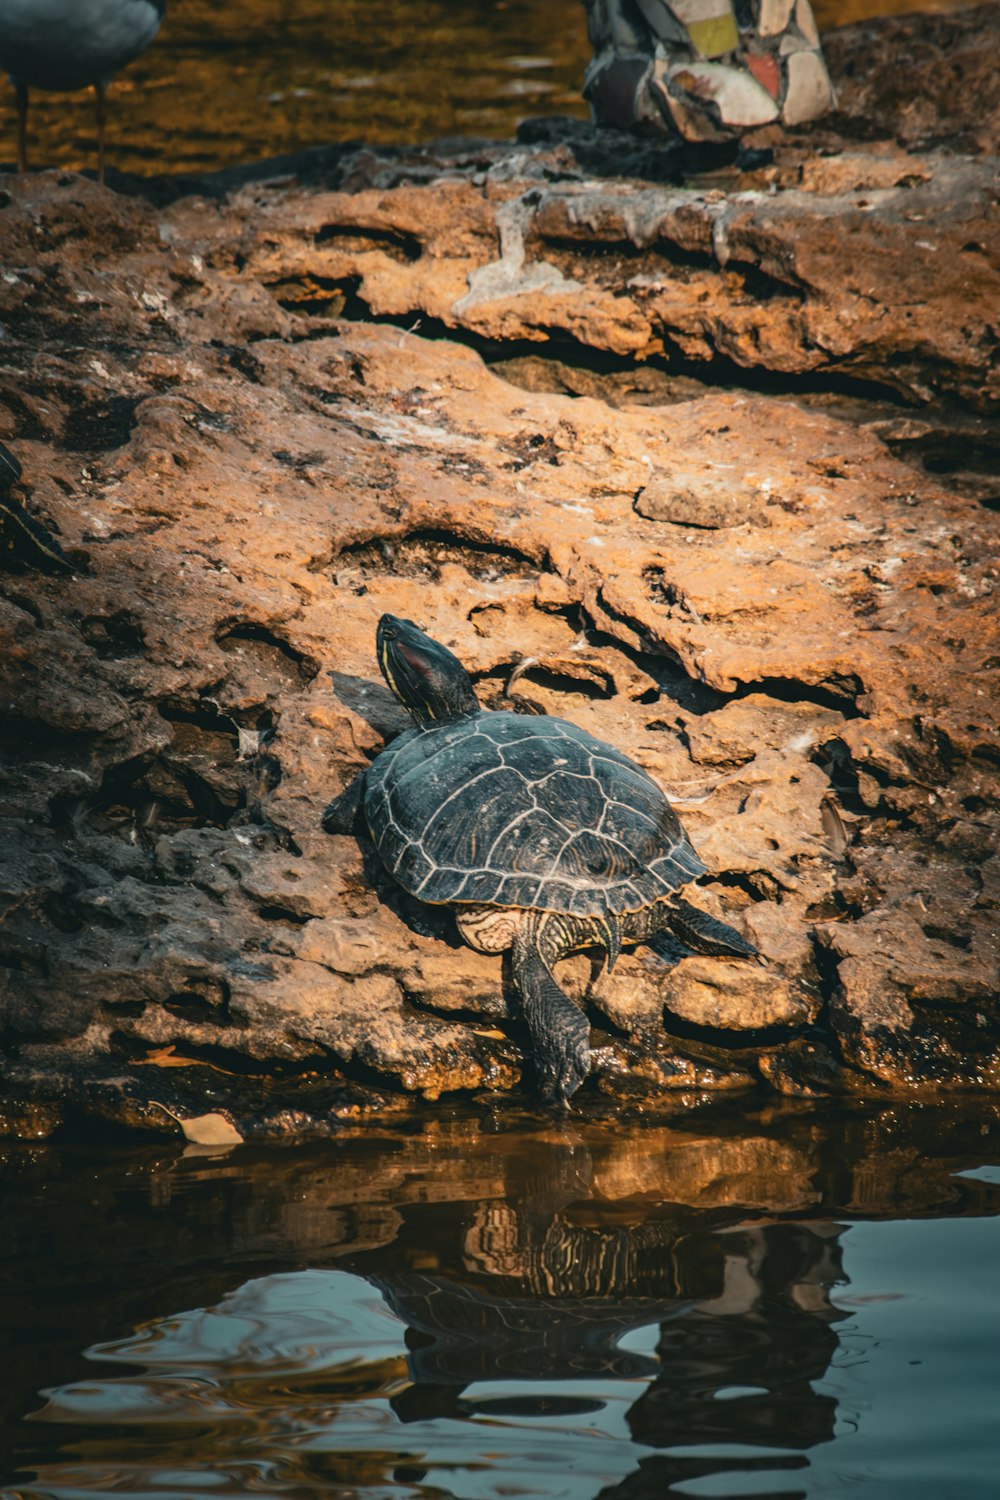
(705,70)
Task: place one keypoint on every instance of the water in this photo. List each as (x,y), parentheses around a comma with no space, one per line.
(232,83)
(791,1303)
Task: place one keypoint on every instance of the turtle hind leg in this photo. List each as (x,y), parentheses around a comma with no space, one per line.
(697,929)
(560,1032)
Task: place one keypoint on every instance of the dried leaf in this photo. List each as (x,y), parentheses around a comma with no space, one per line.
(164,1057)
(212,1129)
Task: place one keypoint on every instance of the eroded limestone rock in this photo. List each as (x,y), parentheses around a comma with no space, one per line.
(802,650)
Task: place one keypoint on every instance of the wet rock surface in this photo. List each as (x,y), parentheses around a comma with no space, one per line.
(258,414)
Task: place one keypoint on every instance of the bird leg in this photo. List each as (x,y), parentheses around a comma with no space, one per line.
(100,90)
(21,90)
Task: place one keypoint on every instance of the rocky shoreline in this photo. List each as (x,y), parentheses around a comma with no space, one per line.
(708,468)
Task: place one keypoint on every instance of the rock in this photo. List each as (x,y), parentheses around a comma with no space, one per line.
(808,91)
(747,726)
(646,1075)
(708,994)
(739,99)
(773,16)
(948,89)
(789,625)
(688,499)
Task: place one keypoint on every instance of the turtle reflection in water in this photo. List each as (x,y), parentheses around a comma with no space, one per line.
(544,839)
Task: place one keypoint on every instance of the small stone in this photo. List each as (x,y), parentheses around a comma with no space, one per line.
(774,16)
(705,992)
(660,19)
(792,42)
(806,22)
(612,86)
(739,99)
(710,24)
(765,70)
(809,93)
(689,120)
(693,500)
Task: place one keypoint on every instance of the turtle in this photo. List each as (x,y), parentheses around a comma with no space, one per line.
(543,839)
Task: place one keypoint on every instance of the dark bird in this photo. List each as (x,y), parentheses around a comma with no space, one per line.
(72,44)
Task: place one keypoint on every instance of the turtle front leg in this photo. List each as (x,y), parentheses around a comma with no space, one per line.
(344,813)
(560,1032)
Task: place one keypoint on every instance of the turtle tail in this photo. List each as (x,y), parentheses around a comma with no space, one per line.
(703,933)
(560,1032)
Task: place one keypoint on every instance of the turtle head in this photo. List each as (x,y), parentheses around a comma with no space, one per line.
(425,677)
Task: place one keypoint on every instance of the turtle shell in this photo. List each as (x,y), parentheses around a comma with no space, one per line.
(504,809)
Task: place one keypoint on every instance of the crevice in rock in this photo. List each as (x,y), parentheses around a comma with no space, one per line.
(838,692)
(565,683)
(200,713)
(284,916)
(114,637)
(647,646)
(666,257)
(554,345)
(758,885)
(241,360)
(59,908)
(274,657)
(395,243)
(322,297)
(511,1024)
(764,286)
(972,446)
(194,1006)
(102,424)
(225,1060)
(164,791)
(867,397)
(29,606)
(843,772)
(713,1040)
(422,552)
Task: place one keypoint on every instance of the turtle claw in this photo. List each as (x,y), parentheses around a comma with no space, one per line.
(559,1077)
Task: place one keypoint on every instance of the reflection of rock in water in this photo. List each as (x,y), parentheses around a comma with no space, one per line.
(769,1332)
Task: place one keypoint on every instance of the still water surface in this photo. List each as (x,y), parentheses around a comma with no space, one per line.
(798,1304)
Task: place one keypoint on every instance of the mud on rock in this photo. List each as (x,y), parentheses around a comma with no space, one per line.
(703,468)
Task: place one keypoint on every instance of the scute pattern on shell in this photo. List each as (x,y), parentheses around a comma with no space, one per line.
(507,810)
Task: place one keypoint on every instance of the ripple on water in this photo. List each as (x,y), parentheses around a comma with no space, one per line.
(697,1309)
